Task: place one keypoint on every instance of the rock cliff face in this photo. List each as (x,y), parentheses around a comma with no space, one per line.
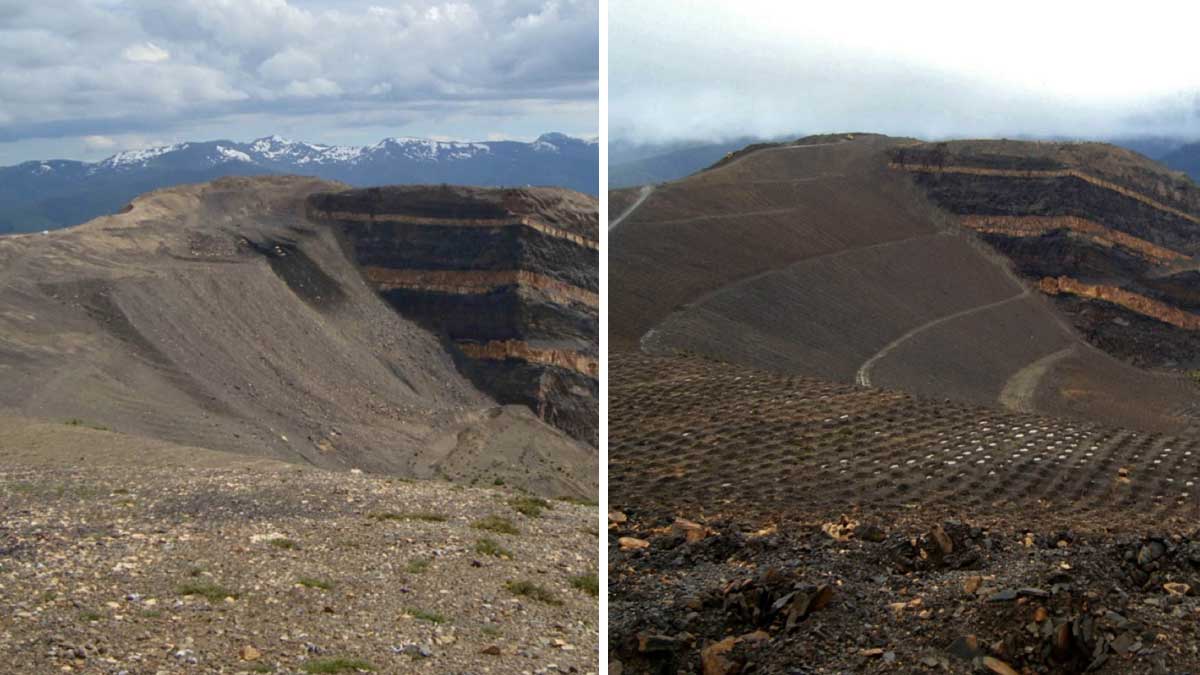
(221,316)
(1113,237)
(508,277)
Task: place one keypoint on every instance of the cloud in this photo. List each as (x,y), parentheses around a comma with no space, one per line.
(146,52)
(698,69)
(116,68)
(99,142)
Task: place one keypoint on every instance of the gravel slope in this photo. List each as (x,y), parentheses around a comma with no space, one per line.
(105,569)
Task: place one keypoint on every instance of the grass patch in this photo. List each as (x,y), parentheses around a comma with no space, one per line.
(493,548)
(490,631)
(496,524)
(91,616)
(285,544)
(588,583)
(529,506)
(210,591)
(75,422)
(337,666)
(310,582)
(530,590)
(424,516)
(261,668)
(431,617)
(418,565)
(151,614)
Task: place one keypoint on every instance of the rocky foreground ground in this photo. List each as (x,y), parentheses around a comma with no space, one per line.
(908,592)
(283,570)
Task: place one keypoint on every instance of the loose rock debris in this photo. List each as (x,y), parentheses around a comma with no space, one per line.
(946,596)
(184,570)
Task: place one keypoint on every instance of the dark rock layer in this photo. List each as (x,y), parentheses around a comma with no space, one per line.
(1135,238)
(509,278)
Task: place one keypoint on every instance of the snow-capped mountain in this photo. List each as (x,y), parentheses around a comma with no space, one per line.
(58,193)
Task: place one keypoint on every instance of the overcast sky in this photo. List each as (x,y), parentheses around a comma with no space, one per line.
(701,69)
(82,79)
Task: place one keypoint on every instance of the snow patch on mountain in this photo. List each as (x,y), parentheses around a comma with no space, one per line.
(231,155)
(140,157)
(276,151)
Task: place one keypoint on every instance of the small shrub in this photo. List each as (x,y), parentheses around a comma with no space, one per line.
(496,524)
(431,617)
(532,591)
(529,506)
(588,583)
(210,591)
(75,422)
(310,582)
(418,515)
(493,548)
(285,544)
(337,666)
(91,616)
(418,565)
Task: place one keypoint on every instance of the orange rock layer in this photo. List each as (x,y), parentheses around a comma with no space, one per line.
(499,350)
(478,281)
(532,223)
(1050,173)
(1022,226)
(1119,296)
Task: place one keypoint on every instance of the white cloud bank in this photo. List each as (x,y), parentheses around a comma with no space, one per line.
(686,69)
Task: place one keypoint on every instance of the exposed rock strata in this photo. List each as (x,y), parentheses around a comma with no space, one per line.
(509,277)
(1118,296)
(1093,222)
(1032,226)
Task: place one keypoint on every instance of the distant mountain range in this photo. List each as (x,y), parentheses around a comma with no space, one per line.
(640,165)
(633,164)
(41,195)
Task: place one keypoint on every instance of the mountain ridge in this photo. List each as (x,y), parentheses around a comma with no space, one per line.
(51,194)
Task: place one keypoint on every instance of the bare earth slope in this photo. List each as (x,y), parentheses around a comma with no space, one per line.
(221,316)
(824,258)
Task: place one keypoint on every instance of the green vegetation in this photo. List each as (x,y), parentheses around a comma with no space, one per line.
(490,631)
(496,524)
(212,592)
(261,668)
(529,506)
(532,591)
(286,544)
(418,565)
(493,548)
(73,422)
(417,515)
(431,617)
(337,665)
(310,582)
(588,583)
(91,616)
